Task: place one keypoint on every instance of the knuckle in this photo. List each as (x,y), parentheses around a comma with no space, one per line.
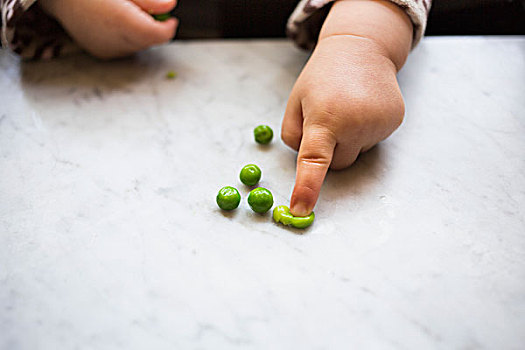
(341,162)
(314,160)
(340,165)
(306,191)
(355,114)
(338,112)
(151,36)
(165,35)
(291,139)
(148,33)
(327,109)
(399,113)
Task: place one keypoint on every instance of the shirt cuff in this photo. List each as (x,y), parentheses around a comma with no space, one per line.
(31,33)
(305,22)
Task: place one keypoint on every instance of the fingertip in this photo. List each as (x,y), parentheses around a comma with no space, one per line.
(171,25)
(291,138)
(166,5)
(174,27)
(303,200)
(166,30)
(156,7)
(345,155)
(300,209)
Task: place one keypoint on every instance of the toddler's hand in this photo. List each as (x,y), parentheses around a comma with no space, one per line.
(344,102)
(113,28)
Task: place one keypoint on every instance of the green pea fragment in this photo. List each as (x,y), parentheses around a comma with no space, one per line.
(228,198)
(162,17)
(171,75)
(282,214)
(260,200)
(250,174)
(263,134)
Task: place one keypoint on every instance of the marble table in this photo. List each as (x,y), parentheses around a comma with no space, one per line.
(110,237)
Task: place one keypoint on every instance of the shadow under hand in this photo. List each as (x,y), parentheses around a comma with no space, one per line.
(81,72)
(358,179)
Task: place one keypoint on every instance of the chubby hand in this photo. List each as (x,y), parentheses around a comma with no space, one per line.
(113,28)
(345,101)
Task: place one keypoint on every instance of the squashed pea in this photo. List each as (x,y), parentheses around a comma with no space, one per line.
(282,214)
(162,17)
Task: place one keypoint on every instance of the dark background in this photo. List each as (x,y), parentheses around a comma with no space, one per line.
(267,18)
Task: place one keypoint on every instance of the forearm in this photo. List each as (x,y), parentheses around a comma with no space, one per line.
(385,25)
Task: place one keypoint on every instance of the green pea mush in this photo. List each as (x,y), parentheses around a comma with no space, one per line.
(282,214)
(162,17)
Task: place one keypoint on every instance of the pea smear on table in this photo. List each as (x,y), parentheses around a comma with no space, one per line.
(282,214)
(171,74)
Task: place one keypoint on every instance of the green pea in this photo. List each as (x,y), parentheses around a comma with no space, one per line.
(250,174)
(282,214)
(263,134)
(228,198)
(260,200)
(171,75)
(162,17)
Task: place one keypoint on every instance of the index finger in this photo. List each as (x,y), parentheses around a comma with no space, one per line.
(315,155)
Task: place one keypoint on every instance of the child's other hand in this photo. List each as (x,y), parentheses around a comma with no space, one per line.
(113,28)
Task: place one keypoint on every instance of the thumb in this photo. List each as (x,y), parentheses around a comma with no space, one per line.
(315,155)
(156,6)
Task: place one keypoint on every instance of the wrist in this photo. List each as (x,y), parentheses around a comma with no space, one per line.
(357,51)
(49,7)
(384,25)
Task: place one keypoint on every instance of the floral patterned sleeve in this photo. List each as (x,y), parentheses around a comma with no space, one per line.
(29,32)
(306,21)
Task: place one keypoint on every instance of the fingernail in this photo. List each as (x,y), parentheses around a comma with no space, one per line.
(300,209)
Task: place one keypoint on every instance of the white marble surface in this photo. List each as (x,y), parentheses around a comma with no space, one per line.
(110,237)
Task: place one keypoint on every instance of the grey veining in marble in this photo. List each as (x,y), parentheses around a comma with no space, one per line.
(110,237)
